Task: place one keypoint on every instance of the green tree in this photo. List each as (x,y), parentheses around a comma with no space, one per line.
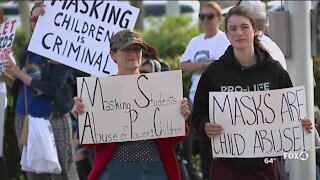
(171,35)
(139,23)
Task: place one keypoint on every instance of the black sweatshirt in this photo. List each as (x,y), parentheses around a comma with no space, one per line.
(227,74)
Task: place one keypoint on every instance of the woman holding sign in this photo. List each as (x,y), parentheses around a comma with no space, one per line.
(244,67)
(42,89)
(135,160)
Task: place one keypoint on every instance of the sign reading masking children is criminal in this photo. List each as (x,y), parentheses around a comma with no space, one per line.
(77,33)
(259,123)
(131,107)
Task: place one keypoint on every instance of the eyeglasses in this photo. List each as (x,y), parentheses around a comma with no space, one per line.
(210,16)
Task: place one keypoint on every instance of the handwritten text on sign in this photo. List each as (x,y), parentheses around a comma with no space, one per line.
(7,32)
(260,123)
(77,33)
(130,108)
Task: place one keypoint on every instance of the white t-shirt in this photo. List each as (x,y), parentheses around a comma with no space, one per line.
(201,49)
(3,85)
(273,50)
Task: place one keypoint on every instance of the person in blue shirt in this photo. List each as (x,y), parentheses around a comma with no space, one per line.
(42,89)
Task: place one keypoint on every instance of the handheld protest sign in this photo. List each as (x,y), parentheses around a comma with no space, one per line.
(259,123)
(77,33)
(131,107)
(7,33)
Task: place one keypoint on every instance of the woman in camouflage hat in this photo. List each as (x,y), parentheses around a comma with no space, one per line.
(134,160)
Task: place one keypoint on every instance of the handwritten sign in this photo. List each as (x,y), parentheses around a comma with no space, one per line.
(131,107)
(7,33)
(77,33)
(259,123)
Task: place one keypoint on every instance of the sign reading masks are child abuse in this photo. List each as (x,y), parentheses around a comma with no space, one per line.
(259,123)
(77,33)
(131,107)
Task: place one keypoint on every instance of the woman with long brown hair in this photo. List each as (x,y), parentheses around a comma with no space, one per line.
(245,64)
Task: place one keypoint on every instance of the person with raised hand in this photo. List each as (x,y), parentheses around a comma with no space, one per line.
(42,89)
(200,52)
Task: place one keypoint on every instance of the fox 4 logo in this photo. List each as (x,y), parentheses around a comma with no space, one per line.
(303,156)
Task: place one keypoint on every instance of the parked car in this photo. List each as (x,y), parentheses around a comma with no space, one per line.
(270,5)
(157,9)
(275,6)
(11,10)
(151,9)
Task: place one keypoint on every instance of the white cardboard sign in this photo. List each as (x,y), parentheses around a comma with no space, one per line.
(259,123)
(7,33)
(131,107)
(77,33)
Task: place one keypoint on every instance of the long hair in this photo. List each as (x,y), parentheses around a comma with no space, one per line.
(151,56)
(35,5)
(244,12)
(151,52)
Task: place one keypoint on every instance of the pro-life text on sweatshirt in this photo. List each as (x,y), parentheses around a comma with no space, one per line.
(7,33)
(259,123)
(77,33)
(131,107)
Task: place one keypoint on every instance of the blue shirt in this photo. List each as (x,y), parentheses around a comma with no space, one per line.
(38,105)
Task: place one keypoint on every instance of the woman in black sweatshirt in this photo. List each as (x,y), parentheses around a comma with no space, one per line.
(245,66)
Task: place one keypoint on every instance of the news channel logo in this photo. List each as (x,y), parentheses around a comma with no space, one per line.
(303,156)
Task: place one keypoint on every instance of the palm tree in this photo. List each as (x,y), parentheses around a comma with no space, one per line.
(139,23)
(24,16)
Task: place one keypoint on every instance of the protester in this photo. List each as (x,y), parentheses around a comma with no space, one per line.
(148,159)
(5,80)
(258,9)
(200,52)
(151,63)
(244,64)
(43,90)
(82,156)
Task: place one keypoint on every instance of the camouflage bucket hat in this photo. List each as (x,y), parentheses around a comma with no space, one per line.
(124,38)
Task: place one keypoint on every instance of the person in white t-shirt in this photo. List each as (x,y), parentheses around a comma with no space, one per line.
(200,52)
(258,8)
